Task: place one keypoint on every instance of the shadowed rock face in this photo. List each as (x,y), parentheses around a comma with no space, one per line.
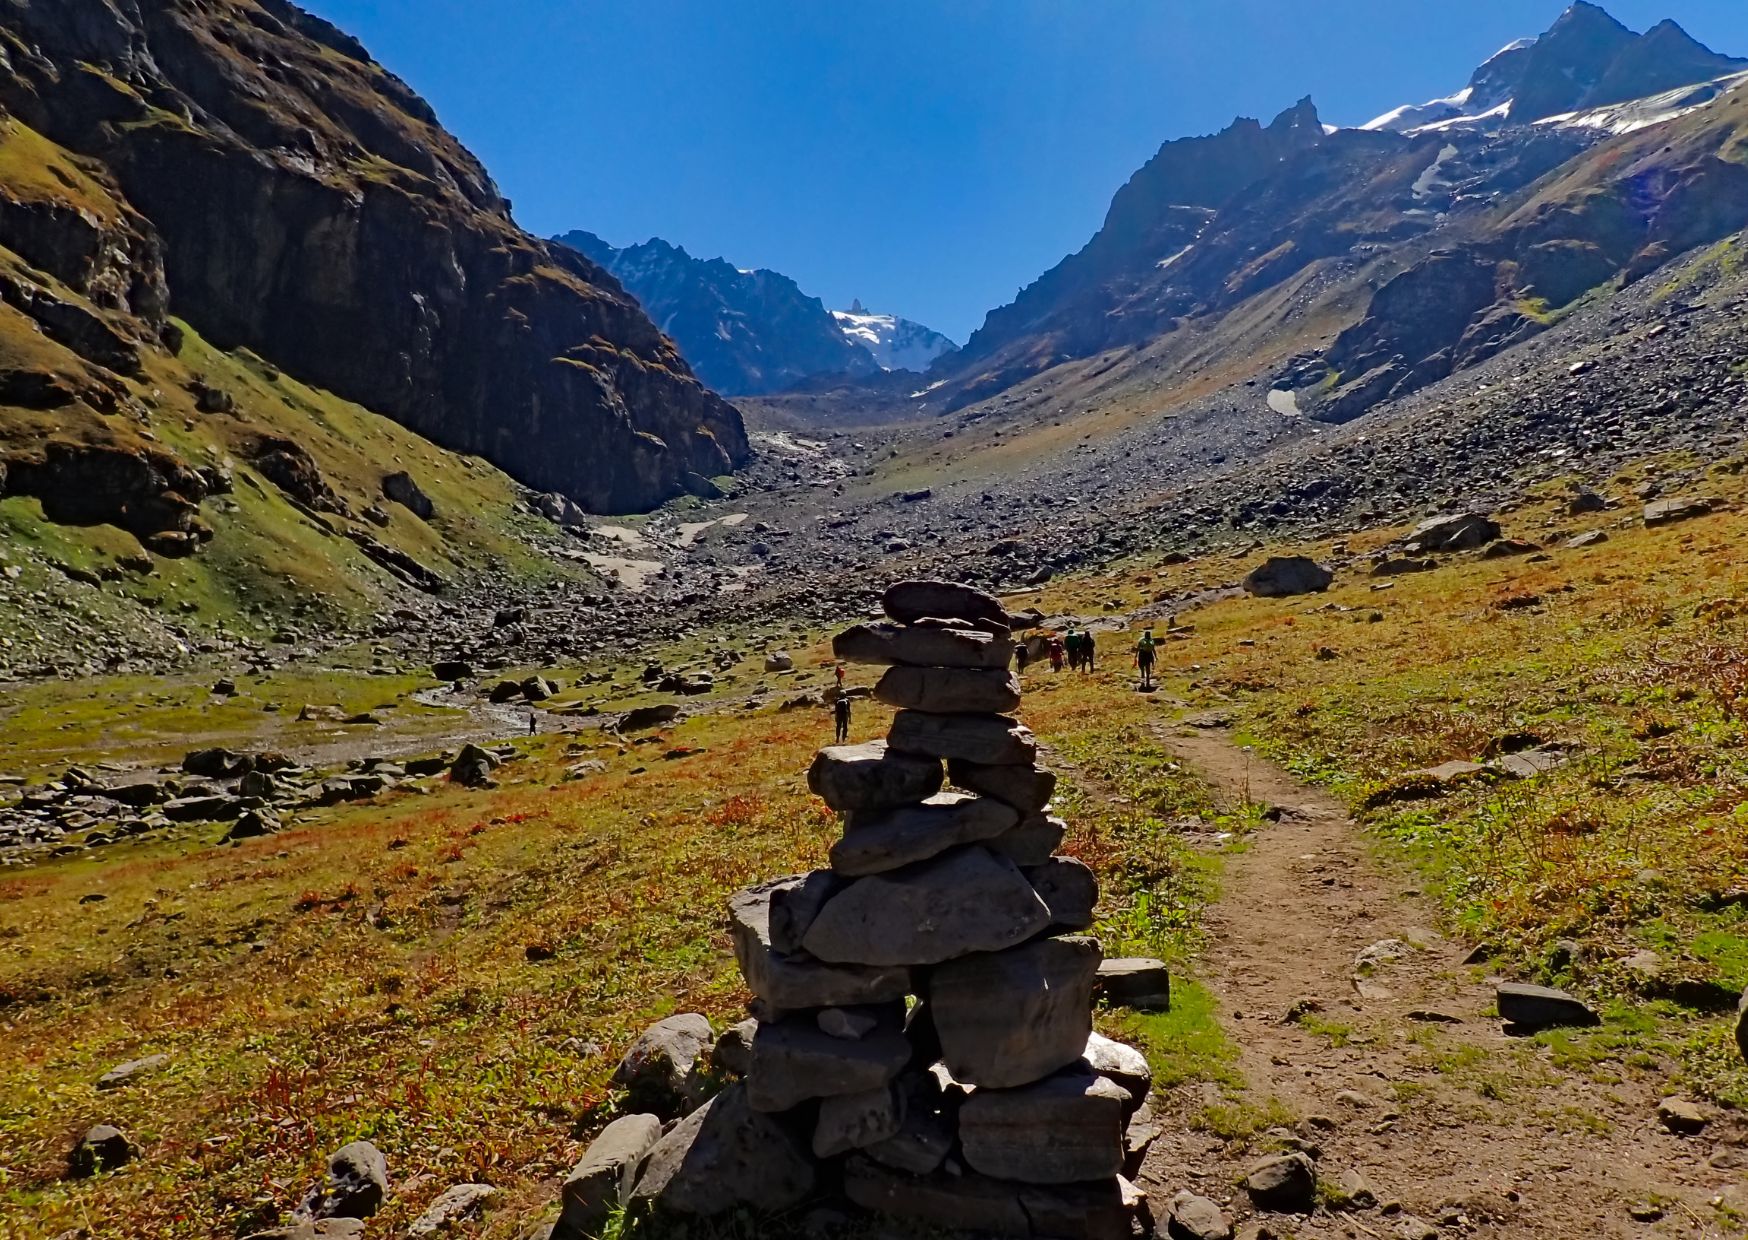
(309,206)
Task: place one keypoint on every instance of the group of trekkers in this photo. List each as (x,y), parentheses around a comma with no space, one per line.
(1078,651)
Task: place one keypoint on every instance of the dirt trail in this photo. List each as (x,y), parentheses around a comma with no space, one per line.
(1403,1073)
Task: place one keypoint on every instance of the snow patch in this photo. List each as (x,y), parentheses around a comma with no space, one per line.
(897,344)
(1637,114)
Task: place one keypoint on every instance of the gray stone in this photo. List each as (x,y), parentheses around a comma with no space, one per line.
(788,982)
(1124,1065)
(355,1185)
(1111,1209)
(910,601)
(1541,1007)
(1064,1129)
(1192,1217)
(1284,1184)
(1678,508)
(102,1148)
(1356,1190)
(1138,982)
(1033,842)
(855,1121)
(887,645)
(989,740)
(456,1205)
(968,900)
(1009,1018)
(401,488)
(733,1052)
(876,843)
(794,1060)
(795,902)
(1281,576)
(724,1155)
(869,778)
(1460,532)
(663,1071)
(949,690)
(1139,1135)
(604,1176)
(1068,889)
(1589,538)
(1026,788)
(852,1023)
(131,1071)
(927,1127)
(1683,1116)
(956,1203)
(643,718)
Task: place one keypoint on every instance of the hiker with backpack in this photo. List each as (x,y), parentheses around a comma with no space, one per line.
(1145,657)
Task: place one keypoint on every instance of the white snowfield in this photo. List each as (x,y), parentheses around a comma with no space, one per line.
(1637,114)
(897,344)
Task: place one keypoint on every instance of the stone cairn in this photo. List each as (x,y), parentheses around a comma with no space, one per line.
(922,1042)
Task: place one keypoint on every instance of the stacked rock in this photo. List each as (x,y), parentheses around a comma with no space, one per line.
(924,1006)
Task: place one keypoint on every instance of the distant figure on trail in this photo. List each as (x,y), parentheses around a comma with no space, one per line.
(840,671)
(1071,647)
(1086,651)
(1144,658)
(533,726)
(1056,653)
(841,714)
(1022,655)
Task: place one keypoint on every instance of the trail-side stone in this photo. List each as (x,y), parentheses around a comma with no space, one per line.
(887,645)
(103,1148)
(788,982)
(1356,1190)
(643,718)
(1193,1217)
(1742,1027)
(794,1060)
(991,740)
(1026,788)
(604,1176)
(910,601)
(876,843)
(1068,889)
(1009,1018)
(855,1121)
(663,1071)
(927,1126)
(457,1204)
(1678,508)
(869,778)
(131,1071)
(949,690)
(1138,982)
(1064,1129)
(1284,1184)
(1281,576)
(1122,1064)
(1541,1007)
(1683,1116)
(968,900)
(355,1186)
(955,1203)
(1463,531)
(723,1155)
(1031,843)
(733,1052)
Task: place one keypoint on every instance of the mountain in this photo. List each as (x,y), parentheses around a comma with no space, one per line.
(897,344)
(1354,266)
(746,332)
(247,168)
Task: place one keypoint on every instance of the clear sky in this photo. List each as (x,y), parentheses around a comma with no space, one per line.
(928,156)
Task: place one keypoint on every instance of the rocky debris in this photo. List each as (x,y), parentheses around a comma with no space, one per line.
(1282,576)
(1678,508)
(1138,982)
(1192,1217)
(102,1148)
(603,1178)
(1460,532)
(454,1205)
(663,1071)
(1283,1184)
(998,1059)
(1541,1007)
(131,1071)
(868,778)
(401,488)
(355,1185)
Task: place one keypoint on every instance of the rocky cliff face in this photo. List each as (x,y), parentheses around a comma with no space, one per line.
(279,190)
(747,332)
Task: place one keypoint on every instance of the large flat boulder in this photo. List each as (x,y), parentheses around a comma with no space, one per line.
(795,1060)
(870,778)
(876,843)
(967,900)
(1282,576)
(949,690)
(1026,788)
(990,740)
(788,982)
(725,1155)
(910,601)
(1541,1007)
(1678,508)
(886,645)
(1464,531)
(1064,1129)
(1012,1017)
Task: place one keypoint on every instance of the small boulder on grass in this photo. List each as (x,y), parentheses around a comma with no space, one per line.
(355,1185)
(664,1071)
(103,1148)
(1283,1184)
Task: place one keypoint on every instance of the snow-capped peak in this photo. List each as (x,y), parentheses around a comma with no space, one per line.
(897,344)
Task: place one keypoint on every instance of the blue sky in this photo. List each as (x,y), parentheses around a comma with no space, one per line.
(928,157)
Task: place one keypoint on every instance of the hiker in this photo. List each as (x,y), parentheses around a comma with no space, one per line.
(840,670)
(1055,653)
(841,713)
(1022,655)
(1071,649)
(1086,651)
(533,727)
(1144,657)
